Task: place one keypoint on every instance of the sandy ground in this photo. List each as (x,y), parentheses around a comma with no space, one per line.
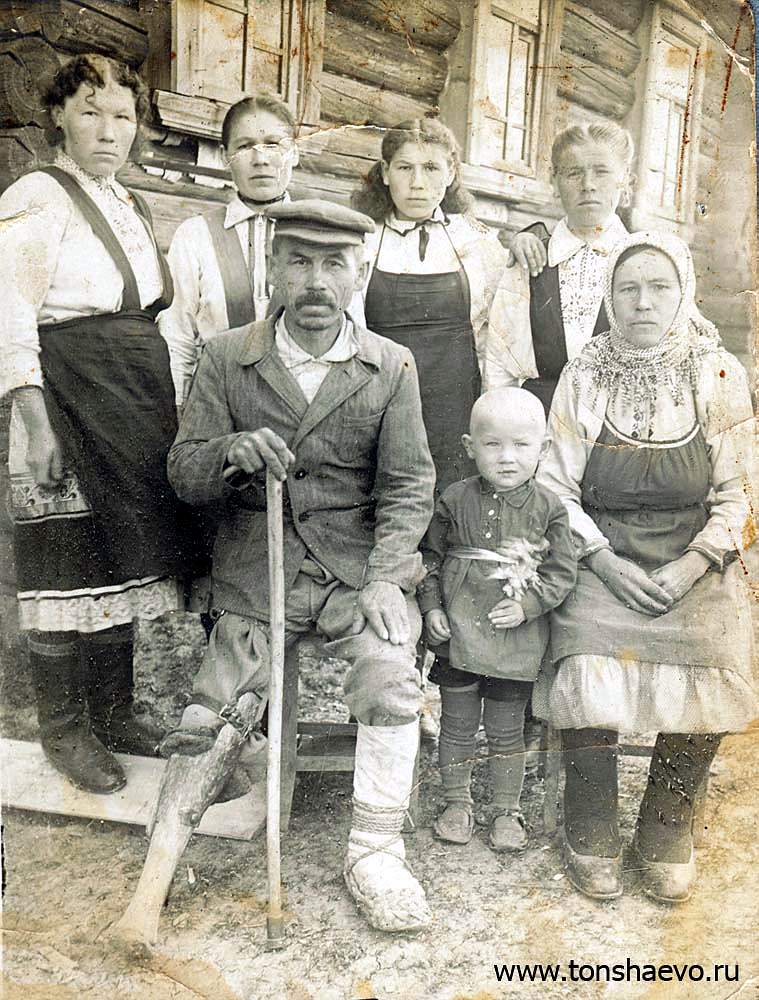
(68,879)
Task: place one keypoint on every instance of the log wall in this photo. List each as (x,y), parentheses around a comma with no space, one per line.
(723,190)
(599,61)
(34,39)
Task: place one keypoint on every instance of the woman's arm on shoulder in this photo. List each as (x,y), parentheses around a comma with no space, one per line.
(34,214)
(726,416)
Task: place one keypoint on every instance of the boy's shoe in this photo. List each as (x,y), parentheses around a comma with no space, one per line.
(507,831)
(454,824)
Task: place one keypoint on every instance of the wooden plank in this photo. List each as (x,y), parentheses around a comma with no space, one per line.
(321,763)
(97,26)
(596,88)
(598,41)
(345,100)
(626,14)
(328,729)
(426,22)
(29,782)
(192,115)
(156,17)
(383,59)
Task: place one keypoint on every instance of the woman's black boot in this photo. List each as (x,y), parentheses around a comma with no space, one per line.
(108,662)
(663,835)
(65,734)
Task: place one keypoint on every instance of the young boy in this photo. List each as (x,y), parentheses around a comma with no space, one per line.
(499,556)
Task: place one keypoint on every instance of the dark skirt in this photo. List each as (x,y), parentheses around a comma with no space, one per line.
(114,524)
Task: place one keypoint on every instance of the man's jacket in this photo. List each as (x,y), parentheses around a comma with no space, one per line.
(359,495)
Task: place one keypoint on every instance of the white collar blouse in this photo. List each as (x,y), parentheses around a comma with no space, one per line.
(53,267)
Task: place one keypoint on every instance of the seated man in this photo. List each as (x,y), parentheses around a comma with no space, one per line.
(335,411)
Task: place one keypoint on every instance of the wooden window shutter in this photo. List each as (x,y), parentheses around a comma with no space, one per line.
(226,48)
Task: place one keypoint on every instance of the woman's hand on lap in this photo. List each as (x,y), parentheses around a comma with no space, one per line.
(677,577)
(437,626)
(630,584)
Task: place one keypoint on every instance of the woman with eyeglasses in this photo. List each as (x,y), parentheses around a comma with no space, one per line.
(218,260)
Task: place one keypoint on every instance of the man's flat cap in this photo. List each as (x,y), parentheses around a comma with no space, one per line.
(314,220)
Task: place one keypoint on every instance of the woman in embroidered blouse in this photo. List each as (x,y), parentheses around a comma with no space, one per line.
(651,429)
(434,271)
(96,534)
(557,291)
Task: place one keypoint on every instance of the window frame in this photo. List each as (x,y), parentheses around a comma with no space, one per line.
(549,29)
(186,110)
(667,22)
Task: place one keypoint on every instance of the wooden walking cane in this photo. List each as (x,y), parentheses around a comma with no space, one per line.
(275,930)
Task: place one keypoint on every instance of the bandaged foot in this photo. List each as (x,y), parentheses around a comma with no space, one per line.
(375,871)
(383,885)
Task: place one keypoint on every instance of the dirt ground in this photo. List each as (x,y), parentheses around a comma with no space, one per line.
(66,880)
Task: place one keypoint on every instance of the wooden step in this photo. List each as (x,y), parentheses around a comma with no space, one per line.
(29,782)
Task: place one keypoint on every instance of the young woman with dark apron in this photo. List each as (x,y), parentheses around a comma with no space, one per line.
(99,537)
(433,287)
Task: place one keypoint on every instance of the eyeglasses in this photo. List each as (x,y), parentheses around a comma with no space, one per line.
(274,147)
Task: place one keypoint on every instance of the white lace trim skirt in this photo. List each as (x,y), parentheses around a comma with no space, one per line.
(92,610)
(636,696)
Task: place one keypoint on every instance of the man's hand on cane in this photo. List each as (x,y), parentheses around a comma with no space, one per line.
(252,451)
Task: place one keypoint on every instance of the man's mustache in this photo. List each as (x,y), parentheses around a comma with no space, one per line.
(313,299)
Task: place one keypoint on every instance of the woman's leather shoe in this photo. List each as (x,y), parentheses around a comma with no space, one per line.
(126,732)
(666,881)
(598,878)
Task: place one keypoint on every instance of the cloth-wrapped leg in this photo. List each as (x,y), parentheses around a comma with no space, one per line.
(375,871)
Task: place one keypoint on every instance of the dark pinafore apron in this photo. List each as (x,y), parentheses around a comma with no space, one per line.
(430,315)
(649,500)
(110,400)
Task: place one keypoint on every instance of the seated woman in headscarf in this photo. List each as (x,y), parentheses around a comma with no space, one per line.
(651,428)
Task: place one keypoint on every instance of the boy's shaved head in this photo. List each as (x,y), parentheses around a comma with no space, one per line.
(507,437)
(509,406)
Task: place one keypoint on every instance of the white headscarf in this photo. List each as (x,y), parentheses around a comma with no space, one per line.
(614,363)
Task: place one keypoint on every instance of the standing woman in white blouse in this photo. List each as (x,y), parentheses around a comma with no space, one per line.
(97,534)
(557,292)
(434,273)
